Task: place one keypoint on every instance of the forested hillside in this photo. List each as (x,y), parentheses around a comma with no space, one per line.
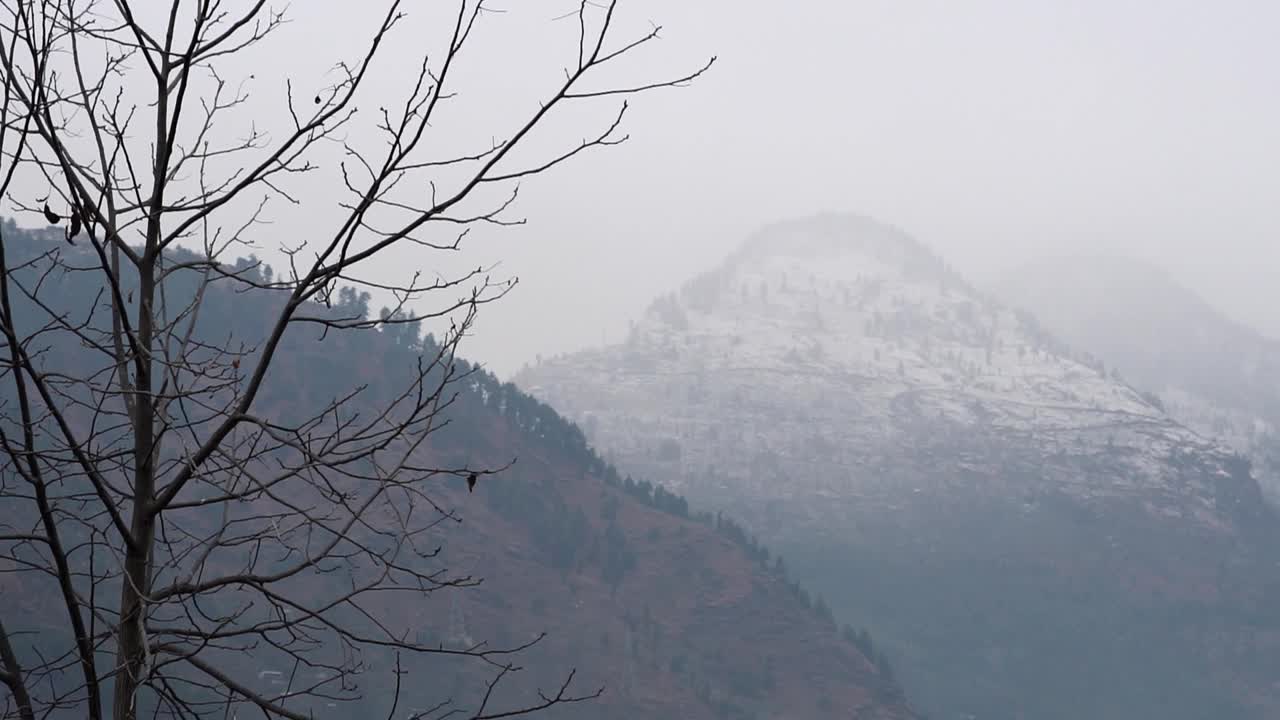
(674,612)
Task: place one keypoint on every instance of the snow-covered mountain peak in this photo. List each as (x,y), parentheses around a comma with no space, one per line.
(797,263)
(831,354)
(850,296)
(835,236)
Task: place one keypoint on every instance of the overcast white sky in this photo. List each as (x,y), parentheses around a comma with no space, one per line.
(995,131)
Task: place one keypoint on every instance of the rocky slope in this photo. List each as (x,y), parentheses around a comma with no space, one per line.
(1211,373)
(1001,508)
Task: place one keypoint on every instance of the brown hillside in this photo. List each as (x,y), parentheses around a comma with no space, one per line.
(675,616)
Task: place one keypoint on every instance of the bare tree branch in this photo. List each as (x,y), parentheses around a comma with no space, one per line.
(179,478)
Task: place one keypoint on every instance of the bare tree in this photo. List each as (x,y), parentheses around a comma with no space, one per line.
(161,522)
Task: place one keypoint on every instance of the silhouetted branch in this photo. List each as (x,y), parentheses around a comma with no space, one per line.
(191,489)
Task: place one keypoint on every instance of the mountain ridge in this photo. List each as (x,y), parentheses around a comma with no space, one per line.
(1169,340)
(860,405)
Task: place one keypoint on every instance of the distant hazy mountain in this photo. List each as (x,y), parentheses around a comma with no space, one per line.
(1212,373)
(1034,537)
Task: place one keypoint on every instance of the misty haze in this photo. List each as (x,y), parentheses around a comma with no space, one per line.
(627,359)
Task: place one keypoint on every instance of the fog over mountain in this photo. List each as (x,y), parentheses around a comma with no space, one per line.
(995,132)
(1212,373)
(1014,519)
